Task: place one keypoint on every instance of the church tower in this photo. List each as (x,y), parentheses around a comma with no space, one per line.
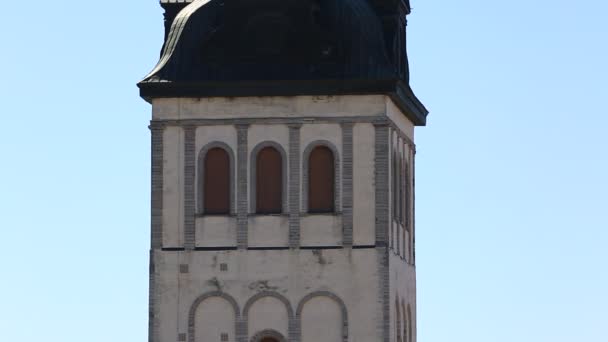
(283,173)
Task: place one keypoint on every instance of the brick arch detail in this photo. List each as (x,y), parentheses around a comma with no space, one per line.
(291,325)
(200,299)
(330,295)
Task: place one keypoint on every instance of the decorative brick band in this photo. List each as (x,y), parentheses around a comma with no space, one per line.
(291,318)
(271,121)
(241,186)
(189,179)
(294,186)
(303,301)
(347,184)
(306,157)
(199,300)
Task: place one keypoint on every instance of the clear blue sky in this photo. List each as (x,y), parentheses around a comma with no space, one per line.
(511,180)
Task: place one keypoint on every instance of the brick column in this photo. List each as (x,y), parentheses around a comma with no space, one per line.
(381,181)
(157,130)
(347,184)
(156,238)
(189,191)
(241,188)
(294,185)
(382,221)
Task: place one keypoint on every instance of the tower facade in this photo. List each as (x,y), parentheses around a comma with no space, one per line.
(283,173)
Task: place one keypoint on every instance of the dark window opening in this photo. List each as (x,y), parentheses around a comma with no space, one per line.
(216,182)
(321,180)
(269,181)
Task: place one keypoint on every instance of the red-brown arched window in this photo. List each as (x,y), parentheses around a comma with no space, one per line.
(216,183)
(321,180)
(269,181)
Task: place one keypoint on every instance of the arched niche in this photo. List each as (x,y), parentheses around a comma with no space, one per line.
(322,317)
(211,315)
(269,311)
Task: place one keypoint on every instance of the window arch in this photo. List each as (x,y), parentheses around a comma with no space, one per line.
(321,180)
(269,181)
(215,179)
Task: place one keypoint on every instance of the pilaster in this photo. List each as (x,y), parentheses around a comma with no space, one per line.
(347,184)
(241,189)
(294,185)
(189,178)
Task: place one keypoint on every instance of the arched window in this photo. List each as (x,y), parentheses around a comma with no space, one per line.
(269,339)
(404,320)
(401,185)
(321,178)
(216,182)
(269,181)
(398,321)
(410,331)
(394,188)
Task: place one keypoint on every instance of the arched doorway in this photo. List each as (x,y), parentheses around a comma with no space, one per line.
(269,339)
(268,336)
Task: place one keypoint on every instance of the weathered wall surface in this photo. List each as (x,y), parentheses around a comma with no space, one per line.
(239,274)
(288,275)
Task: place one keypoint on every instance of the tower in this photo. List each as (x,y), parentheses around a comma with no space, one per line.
(283,173)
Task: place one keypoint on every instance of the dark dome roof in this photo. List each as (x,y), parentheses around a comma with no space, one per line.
(213,40)
(275,47)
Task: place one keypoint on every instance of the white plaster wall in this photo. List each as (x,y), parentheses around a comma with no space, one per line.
(403,283)
(396,116)
(214,317)
(268,313)
(268,230)
(364,194)
(321,320)
(267,107)
(214,231)
(170,315)
(349,274)
(320,230)
(173,187)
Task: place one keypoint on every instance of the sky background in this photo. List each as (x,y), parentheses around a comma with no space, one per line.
(512,227)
